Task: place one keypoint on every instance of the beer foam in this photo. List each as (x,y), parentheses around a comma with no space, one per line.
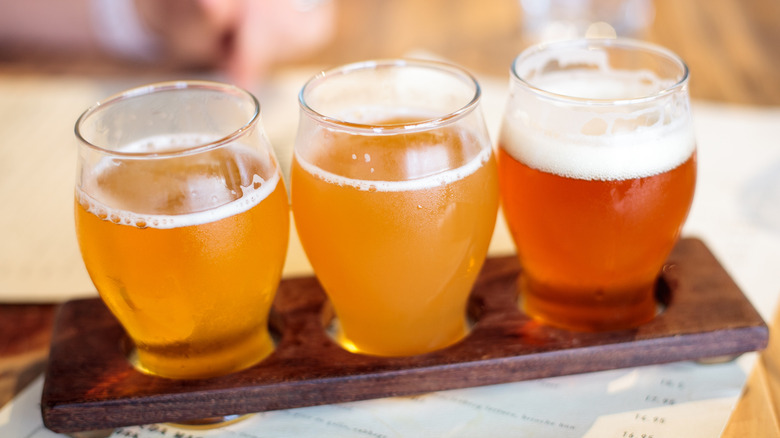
(250,195)
(599,143)
(249,198)
(436,180)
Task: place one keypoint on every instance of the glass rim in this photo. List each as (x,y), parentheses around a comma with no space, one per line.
(588,43)
(166,86)
(392,128)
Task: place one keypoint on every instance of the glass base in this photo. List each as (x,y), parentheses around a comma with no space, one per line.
(591,309)
(211,422)
(174,369)
(717,360)
(336,334)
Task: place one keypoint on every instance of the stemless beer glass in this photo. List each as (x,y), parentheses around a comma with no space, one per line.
(395,194)
(182,219)
(597,165)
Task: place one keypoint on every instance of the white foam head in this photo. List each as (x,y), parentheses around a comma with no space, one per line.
(249,199)
(108,206)
(595,122)
(436,180)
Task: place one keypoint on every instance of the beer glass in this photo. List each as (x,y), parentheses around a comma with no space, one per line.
(395,195)
(182,220)
(597,165)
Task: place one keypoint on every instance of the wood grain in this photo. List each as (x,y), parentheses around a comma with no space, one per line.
(90,385)
(25,334)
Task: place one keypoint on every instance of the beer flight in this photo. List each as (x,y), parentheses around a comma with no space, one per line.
(182,214)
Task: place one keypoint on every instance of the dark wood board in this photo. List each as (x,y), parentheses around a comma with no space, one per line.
(90,385)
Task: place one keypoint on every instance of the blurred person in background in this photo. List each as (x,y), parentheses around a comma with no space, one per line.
(241,38)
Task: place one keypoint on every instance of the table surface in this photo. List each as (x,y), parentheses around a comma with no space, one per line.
(729,45)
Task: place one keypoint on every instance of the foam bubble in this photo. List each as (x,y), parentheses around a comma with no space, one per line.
(436,180)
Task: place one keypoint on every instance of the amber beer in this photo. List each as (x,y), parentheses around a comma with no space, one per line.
(191,283)
(591,249)
(597,168)
(398,245)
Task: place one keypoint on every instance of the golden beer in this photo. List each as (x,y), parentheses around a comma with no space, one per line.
(192,285)
(182,219)
(597,165)
(397,246)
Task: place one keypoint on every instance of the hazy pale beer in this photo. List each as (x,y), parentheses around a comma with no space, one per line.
(395,207)
(597,166)
(184,231)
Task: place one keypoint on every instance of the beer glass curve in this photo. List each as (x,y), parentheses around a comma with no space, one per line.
(597,163)
(394,194)
(182,221)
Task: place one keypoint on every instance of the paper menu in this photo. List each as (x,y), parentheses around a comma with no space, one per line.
(683,399)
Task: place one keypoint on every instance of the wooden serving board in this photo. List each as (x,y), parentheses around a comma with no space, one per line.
(90,384)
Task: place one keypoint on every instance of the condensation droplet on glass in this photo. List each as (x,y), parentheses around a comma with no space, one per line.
(367,157)
(354,157)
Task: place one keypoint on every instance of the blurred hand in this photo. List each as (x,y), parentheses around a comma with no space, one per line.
(242,37)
